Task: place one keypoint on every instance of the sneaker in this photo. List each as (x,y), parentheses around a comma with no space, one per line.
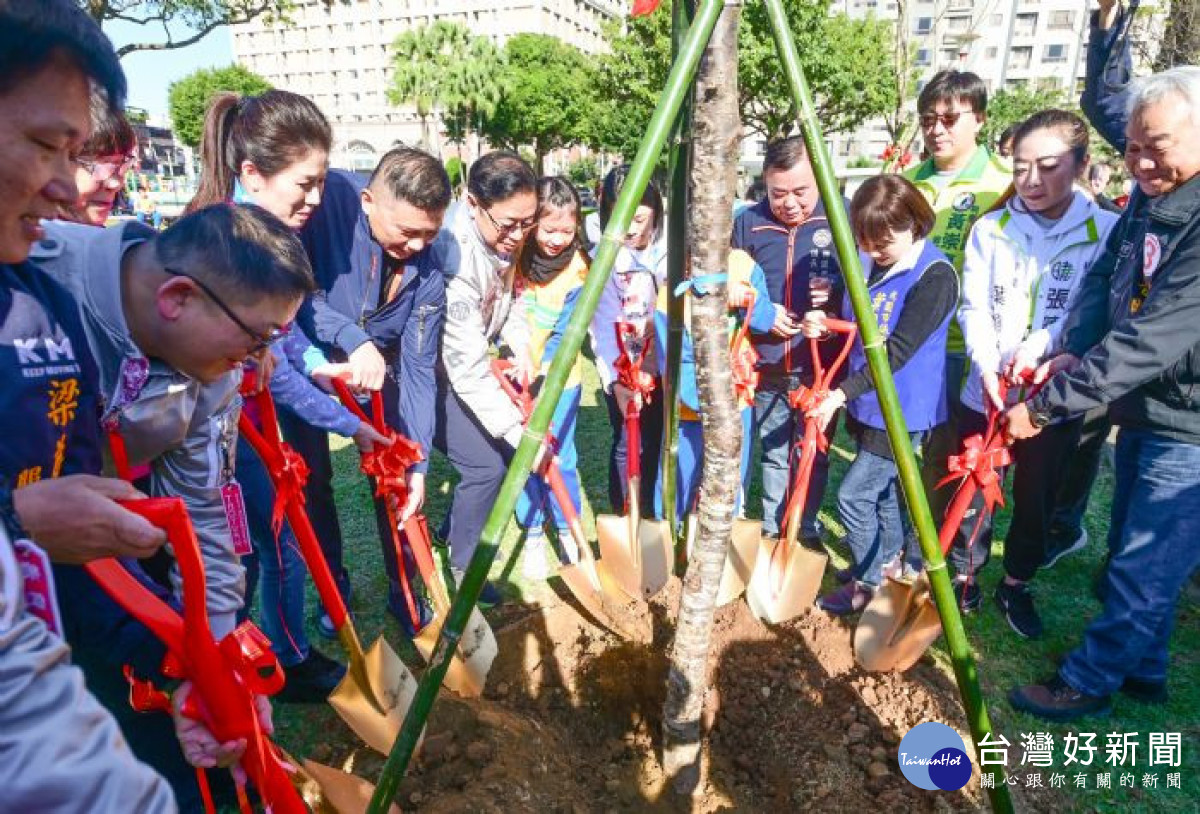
(324,623)
(533,558)
(489,597)
(1145,690)
(850,598)
(1054,555)
(967,594)
(1016,602)
(1056,700)
(398,607)
(312,680)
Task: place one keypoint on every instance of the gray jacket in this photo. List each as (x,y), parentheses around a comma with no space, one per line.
(185,431)
(62,751)
(1135,323)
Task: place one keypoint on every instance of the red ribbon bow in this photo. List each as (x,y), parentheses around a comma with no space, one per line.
(805,398)
(289,473)
(389,466)
(981,462)
(632,377)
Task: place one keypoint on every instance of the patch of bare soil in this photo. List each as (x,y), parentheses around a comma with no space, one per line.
(571,722)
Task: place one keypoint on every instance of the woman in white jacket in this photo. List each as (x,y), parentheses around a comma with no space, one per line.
(1022,268)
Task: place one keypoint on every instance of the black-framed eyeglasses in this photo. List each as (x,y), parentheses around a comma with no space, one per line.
(261,341)
(948,120)
(521,226)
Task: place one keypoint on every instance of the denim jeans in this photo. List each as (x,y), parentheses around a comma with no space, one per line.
(531,505)
(277,559)
(870,504)
(779,430)
(1153,534)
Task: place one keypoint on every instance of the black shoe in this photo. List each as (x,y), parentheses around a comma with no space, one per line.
(813,543)
(1056,700)
(489,596)
(967,595)
(398,607)
(1016,602)
(1078,543)
(1148,692)
(324,623)
(312,680)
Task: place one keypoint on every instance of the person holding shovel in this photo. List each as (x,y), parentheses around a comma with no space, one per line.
(1023,267)
(914,291)
(552,264)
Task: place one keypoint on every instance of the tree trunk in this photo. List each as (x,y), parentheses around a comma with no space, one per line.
(715,142)
(1181,37)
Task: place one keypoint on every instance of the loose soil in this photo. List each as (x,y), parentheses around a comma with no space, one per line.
(571,722)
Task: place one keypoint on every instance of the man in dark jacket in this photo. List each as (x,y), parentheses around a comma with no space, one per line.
(380,305)
(788,235)
(1132,342)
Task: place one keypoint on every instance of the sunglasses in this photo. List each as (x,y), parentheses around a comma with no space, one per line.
(261,341)
(104,170)
(948,120)
(505,229)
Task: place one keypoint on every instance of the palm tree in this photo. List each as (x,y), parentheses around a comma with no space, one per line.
(474,88)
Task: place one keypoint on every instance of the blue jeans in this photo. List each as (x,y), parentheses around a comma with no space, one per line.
(531,505)
(1153,538)
(278,560)
(779,430)
(870,504)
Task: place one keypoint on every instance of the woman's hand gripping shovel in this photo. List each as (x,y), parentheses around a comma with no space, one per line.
(637,552)
(587,579)
(787,575)
(477,648)
(377,689)
(901,621)
(226,676)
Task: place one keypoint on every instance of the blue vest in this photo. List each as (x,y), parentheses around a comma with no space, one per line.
(921,383)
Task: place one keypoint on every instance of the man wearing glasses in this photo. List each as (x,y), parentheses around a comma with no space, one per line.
(961,179)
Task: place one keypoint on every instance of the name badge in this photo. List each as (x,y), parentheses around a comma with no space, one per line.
(235,516)
(38,580)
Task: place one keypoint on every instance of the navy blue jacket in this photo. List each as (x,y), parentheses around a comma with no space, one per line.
(789,258)
(51,395)
(1109,71)
(346,312)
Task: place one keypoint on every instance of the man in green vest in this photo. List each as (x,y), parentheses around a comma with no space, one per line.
(961,179)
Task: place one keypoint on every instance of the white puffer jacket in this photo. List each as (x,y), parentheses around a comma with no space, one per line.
(1019,280)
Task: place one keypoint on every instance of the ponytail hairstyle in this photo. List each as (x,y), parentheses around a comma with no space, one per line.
(271,130)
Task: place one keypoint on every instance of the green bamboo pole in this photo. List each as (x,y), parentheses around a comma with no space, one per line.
(885,387)
(682,11)
(678,84)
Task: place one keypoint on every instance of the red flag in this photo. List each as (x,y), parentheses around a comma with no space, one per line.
(643,7)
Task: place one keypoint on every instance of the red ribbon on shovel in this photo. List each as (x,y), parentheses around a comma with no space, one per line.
(226,676)
(743,358)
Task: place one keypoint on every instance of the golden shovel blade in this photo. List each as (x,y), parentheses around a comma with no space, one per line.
(391,684)
(327,789)
(897,626)
(595,589)
(739,562)
(785,580)
(639,573)
(468,670)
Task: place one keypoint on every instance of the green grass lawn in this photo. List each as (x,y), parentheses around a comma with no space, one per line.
(1064,597)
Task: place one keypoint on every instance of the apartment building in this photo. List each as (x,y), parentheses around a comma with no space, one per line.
(339,55)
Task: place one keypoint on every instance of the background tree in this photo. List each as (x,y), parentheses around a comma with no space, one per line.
(547,98)
(427,69)
(1009,107)
(1181,36)
(188,98)
(716,146)
(192,20)
(474,87)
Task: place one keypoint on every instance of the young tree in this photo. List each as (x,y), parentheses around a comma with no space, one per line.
(474,89)
(1009,107)
(716,145)
(188,98)
(547,97)
(428,69)
(1181,36)
(195,18)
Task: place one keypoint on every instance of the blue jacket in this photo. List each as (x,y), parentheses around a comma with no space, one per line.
(1106,87)
(789,257)
(345,312)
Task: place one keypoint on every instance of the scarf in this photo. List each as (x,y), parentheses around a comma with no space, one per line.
(539,269)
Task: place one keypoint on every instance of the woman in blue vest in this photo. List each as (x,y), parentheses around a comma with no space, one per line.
(914,291)
(1023,265)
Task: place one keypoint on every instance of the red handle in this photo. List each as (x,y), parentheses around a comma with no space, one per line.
(348,400)
(633,440)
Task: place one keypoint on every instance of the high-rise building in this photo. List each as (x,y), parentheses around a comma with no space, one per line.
(339,55)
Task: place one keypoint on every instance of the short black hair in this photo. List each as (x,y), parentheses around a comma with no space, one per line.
(35,33)
(499,175)
(415,177)
(950,86)
(613,182)
(242,248)
(784,153)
